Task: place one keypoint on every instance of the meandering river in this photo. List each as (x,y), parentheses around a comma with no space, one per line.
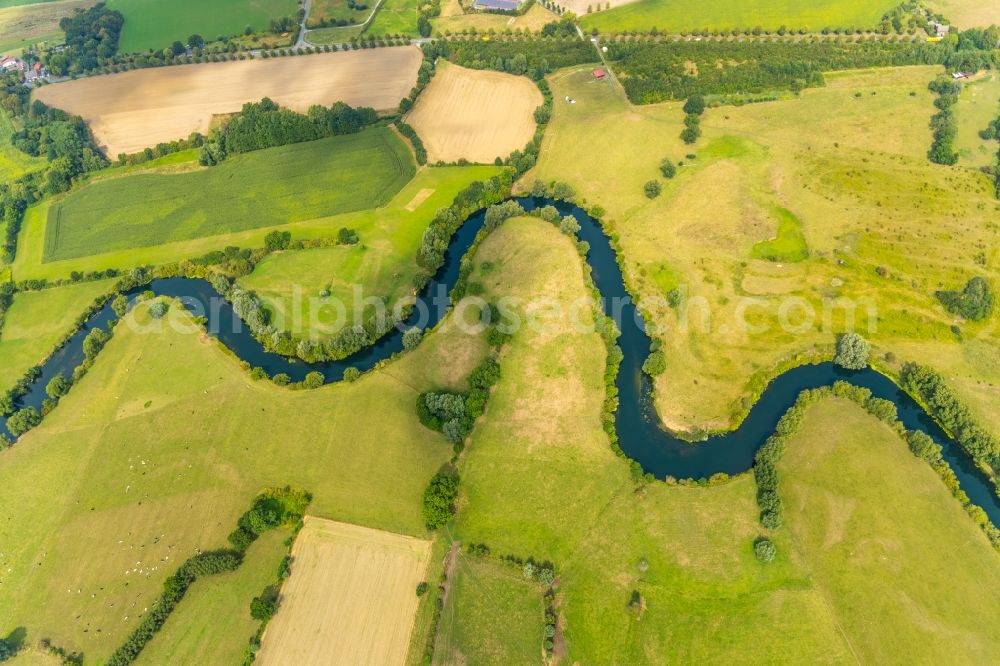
(640,432)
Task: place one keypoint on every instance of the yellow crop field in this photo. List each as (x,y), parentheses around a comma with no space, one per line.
(475,115)
(351,597)
(132,110)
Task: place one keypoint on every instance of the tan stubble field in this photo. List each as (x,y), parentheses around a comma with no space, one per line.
(474,114)
(351,597)
(133,110)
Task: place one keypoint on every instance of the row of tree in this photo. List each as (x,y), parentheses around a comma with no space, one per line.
(943,123)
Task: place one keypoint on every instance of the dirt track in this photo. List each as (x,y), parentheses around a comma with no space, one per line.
(141,108)
(474,114)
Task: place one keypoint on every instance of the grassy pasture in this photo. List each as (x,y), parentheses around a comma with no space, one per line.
(35,322)
(453,19)
(968,13)
(395,17)
(446,182)
(884,229)
(170,440)
(539,478)
(21,25)
(978,105)
(674,16)
(155,24)
(492,615)
(259,189)
(350,599)
(189,636)
(882,540)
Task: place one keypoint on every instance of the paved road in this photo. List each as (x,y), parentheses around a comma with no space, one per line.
(301,43)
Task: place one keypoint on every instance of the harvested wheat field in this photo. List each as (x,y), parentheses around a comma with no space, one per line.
(474,114)
(351,597)
(132,110)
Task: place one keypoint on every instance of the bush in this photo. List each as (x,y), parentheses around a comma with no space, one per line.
(23,420)
(655,364)
(120,305)
(668,169)
(158,309)
(853,352)
(264,606)
(422,588)
(764,549)
(439,498)
(351,374)
(695,105)
(412,338)
(652,189)
(314,380)
(974,302)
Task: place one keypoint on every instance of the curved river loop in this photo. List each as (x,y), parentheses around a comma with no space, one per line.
(641,434)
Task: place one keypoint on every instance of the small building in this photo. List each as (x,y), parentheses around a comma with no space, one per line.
(10,64)
(599,74)
(502,5)
(940,29)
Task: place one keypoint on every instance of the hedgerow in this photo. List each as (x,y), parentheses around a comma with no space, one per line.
(273,507)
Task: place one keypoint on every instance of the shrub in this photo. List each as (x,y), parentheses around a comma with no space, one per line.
(264,606)
(652,189)
(422,588)
(120,305)
(668,169)
(974,302)
(853,352)
(351,374)
(695,105)
(58,386)
(439,498)
(158,309)
(655,364)
(764,549)
(314,380)
(412,338)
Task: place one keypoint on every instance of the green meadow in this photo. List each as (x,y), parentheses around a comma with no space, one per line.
(674,16)
(978,105)
(492,615)
(36,321)
(187,638)
(264,188)
(155,24)
(382,264)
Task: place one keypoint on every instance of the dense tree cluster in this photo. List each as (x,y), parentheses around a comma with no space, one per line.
(264,124)
(91,39)
(655,71)
(523,55)
(945,405)
(974,302)
(454,414)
